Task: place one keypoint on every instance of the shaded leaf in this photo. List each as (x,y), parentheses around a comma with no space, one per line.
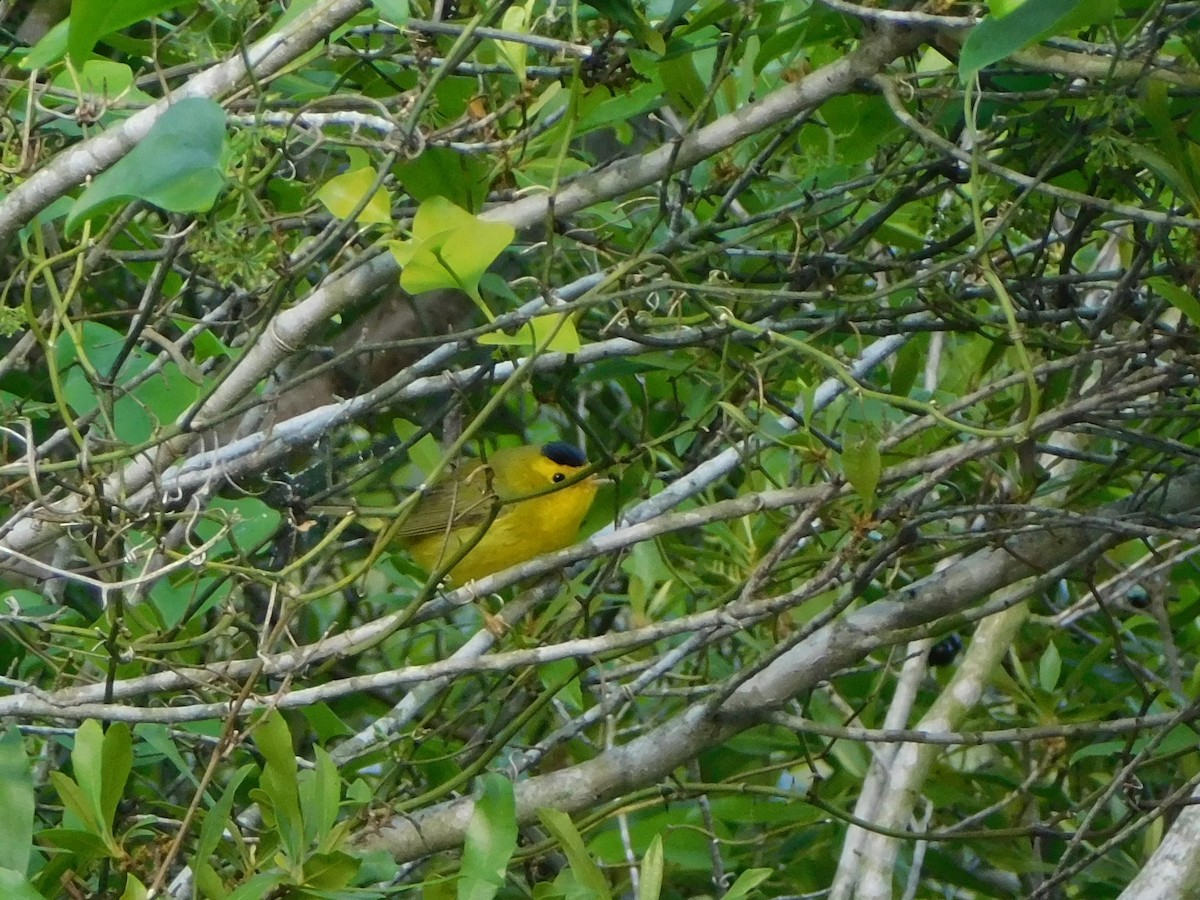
(177,166)
(997,37)
(16,804)
(14,886)
(1181,299)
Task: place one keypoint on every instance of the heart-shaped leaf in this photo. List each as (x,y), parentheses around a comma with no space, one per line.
(177,166)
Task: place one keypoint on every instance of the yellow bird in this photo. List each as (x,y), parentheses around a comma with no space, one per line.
(537,508)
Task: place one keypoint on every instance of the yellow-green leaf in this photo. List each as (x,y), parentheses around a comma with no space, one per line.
(553,333)
(450,248)
(342,194)
(516,19)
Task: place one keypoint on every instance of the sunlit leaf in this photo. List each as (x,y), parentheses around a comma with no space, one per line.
(91,20)
(450,248)
(103,79)
(14,886)
(278,782)
(343,193)
(554,333)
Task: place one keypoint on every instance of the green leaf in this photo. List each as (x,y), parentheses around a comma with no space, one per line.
(330,871)
(515,20)
(325,723)
(995,38)
(392,11)
(554,333)
(1156,108)
(320,791)
(685,88)
(1181,299)
(217,819)
(441,172)
(103,78)
(1179,179)
(248,519)
(259,886)
(49,49)
(426,452)
(76,803)
(158,738)
(116,763)
(93,19)
(650,882)
(861,464)
(83,843)
(177,166)
(626,15)
(14,886)
(158,400)
(87,764)
(342,194)
(746,882)
(587,873)
(490,841)
(134,889)
(909,363)
(16,804)
(561,677)
(279,782)
(450,248)
(1049,667)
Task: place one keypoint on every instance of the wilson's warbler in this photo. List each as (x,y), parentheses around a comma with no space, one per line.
(518,487)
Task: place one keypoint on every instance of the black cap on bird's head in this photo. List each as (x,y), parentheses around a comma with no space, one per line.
(564,454)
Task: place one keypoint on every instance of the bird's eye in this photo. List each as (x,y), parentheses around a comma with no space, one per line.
(557,477)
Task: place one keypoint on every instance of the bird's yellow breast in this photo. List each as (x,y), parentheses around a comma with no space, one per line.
(522,530)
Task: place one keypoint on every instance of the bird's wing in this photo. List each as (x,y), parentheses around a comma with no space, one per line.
(462,500)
